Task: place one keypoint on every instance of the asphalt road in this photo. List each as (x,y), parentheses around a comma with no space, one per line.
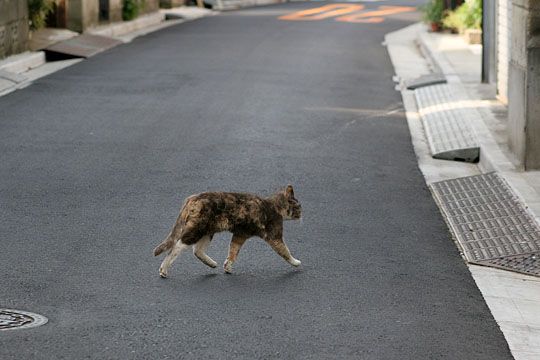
(96,159)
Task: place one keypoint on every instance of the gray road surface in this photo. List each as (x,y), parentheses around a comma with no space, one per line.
(96,159)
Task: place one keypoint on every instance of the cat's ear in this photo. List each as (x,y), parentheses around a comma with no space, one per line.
(289,191)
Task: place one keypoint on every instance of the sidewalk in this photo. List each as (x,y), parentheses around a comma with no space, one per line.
(18,71)
(513,298)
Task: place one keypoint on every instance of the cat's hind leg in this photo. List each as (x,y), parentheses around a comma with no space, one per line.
(281,248)
(171,256)
(199,250)
(234,248)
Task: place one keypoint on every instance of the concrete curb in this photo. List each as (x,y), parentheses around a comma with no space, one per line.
(224,5)
(511,297)
(35,66)
(124,27)
(23,62)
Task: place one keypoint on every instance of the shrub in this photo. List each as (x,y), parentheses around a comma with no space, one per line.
(467,16)
(130,9)
(38,11)
(433,11)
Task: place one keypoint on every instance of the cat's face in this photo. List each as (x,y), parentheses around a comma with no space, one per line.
(293,207)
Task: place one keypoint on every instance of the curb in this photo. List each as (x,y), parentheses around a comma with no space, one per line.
(225,5)
(125,27)
(492,157)
(11,67)
(23,62)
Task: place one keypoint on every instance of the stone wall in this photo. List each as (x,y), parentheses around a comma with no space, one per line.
(13,27)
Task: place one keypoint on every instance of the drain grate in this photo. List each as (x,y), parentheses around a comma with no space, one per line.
(527,263)
(490,224)
(17,319)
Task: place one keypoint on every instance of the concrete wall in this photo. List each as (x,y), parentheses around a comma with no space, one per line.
(167,4)
(115,10)
(13,27)
(82,14)
(524,84)
(150,6)
(504,35)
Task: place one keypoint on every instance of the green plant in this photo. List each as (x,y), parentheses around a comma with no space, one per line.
(130,9)
(433,11)
(467,16)
(38,11)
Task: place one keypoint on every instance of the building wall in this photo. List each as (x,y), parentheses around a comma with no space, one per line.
(82,14)
(504,36)
(150,6)
(13,27)
(524,84)
(171,3)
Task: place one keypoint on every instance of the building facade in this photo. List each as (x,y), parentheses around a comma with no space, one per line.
(13,27)
(517,59)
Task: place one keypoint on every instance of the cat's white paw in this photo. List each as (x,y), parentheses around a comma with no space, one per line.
(295,262)
(162,273)
(212,263)
(227,266)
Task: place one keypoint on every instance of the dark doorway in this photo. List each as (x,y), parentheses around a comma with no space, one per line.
(103,10)
(57,17)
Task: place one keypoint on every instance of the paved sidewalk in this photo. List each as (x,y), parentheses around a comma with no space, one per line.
(513,298)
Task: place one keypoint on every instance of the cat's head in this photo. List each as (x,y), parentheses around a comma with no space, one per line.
(289,206)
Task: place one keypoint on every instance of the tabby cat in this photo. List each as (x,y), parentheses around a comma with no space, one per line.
(244,215)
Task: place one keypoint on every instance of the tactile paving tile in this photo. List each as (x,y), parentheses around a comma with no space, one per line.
(446,119)
(489,222)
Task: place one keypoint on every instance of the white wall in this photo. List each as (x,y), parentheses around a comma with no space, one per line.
(504,35)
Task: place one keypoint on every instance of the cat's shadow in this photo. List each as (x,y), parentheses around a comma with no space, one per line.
(243,278)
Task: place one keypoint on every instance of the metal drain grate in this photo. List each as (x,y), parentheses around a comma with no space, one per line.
(17,319)
(490,224)
(527,263)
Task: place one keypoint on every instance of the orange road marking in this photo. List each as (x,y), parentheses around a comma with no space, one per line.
(322,12)
(375,16)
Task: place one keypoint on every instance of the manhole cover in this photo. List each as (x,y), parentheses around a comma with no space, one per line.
(17,319)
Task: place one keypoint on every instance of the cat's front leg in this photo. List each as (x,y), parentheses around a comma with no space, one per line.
(234,248)
(281,248)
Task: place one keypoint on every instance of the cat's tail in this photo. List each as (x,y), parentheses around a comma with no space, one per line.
(165,245)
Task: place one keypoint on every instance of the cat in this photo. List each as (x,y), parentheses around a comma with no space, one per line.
(244,215)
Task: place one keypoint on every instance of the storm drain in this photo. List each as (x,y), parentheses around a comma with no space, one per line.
(17,319)
(490,224)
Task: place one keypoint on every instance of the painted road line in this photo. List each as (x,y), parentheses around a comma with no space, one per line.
(322,12)
(375,16)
